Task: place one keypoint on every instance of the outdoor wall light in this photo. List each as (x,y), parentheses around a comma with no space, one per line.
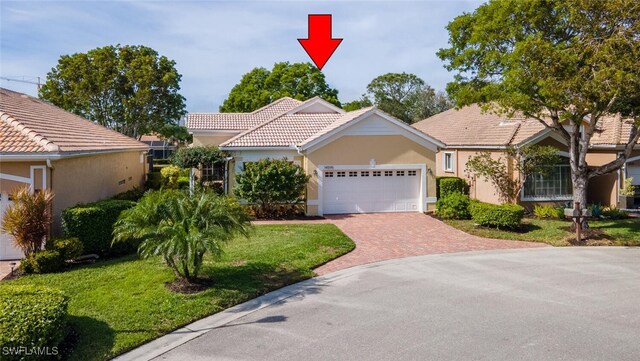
(372,163)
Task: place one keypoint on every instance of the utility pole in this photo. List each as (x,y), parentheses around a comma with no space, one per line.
(23,79)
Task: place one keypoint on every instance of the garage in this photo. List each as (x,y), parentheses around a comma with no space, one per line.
(371,190)
(8,251)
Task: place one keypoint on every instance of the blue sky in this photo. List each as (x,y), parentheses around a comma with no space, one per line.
(215,42)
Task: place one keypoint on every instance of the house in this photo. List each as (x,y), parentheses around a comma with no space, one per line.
(45,147)
(359,161)
(468,131)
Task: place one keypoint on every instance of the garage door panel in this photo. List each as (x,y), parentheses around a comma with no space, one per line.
(367,191)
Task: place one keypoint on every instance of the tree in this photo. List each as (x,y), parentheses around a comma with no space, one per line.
(405,96)
(197,157)
(270,182)
(565,63)
(260,87)
(28,219)
(176,134)
(130,89)
(525,161)
(182,228)
(363,102)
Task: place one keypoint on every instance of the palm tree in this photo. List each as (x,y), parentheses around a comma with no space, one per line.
(28,219)
(182,228)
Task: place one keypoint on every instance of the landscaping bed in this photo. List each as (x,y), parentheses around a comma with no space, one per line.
(119,304)
(623,232)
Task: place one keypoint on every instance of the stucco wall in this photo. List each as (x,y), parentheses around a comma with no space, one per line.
(360,149)
(91,178)
(22,169)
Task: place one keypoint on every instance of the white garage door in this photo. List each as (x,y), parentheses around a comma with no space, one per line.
(7,250)
(369,191)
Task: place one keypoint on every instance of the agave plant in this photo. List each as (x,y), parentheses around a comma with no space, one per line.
(182,228)
(28,219)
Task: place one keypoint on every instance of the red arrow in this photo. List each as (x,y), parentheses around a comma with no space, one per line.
(320,45)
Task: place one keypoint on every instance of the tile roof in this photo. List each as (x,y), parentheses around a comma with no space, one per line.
(470,126)
(28,124)
(240,121)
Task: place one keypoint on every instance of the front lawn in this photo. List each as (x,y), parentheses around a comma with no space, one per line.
(625,232)
(119,304)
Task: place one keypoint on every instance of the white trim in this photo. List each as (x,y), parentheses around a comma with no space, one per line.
(414,134)
(542,135)
(44,175)
(257,148)
(15,178)
(444,161)
(421,167)
(23,157)
(315,101)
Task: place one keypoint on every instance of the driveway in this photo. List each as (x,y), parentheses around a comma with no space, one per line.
(383,236)
(531,304)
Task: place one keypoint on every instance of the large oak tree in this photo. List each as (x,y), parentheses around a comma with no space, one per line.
(260,87)
(130,89)
(565,63)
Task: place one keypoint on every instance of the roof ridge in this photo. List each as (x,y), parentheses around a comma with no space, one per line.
(34,136)
(515,131)
(277,101)
(251,130)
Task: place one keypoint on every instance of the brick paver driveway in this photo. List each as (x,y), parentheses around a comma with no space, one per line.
(383,236)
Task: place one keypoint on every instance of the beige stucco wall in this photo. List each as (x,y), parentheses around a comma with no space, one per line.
(91,178)
(200,140)
(360,149)
(22,169)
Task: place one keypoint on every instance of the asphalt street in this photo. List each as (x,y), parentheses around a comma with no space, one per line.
(535,304)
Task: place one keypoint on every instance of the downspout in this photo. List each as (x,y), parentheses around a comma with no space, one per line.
(226,175)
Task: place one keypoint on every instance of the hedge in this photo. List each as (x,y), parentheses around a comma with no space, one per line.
(448,185)
(93,224)
(499,216)
(453,206)
(32,317)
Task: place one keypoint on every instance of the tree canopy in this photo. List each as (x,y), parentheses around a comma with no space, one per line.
(566,63)
(131,89)
(403,95)
(260,87)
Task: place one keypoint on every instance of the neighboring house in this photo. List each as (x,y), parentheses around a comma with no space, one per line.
(468,131)
(360,161)
(45,147)
(158,148)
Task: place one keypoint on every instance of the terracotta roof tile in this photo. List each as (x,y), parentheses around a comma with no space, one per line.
(240,121)
(29,124)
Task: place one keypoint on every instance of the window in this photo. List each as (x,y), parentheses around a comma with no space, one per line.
(447,163)
(411,173)
(340,174)
(400,173)
(353,174)
(555,185)
(364,174)
(212,172)
(388,173)
(328,174)
(377,173)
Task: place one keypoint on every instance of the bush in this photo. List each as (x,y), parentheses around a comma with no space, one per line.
(69,248)
(183,182)
(500,216)
(548,212)
(451,185)
(154,180)
(93,224)
(614,213)
(133,194)
(31,317)
(270,183)
(453,206)
(47,261)
(170,175)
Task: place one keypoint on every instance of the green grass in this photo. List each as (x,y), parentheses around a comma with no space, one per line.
(625,232)
(119,304)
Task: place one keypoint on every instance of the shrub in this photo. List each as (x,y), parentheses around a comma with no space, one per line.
(453,206)
(69,248)
(548,212)
(596,210)
(28,219)
(271,182)
(500,216)
(133,194)
(31,317)
(448,185)
(183,182)
(47,261)
(93,224)
(170,175)
(154,180)
(614,213)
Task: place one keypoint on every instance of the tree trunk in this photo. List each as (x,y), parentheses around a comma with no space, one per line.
(578,147)
(580,184)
